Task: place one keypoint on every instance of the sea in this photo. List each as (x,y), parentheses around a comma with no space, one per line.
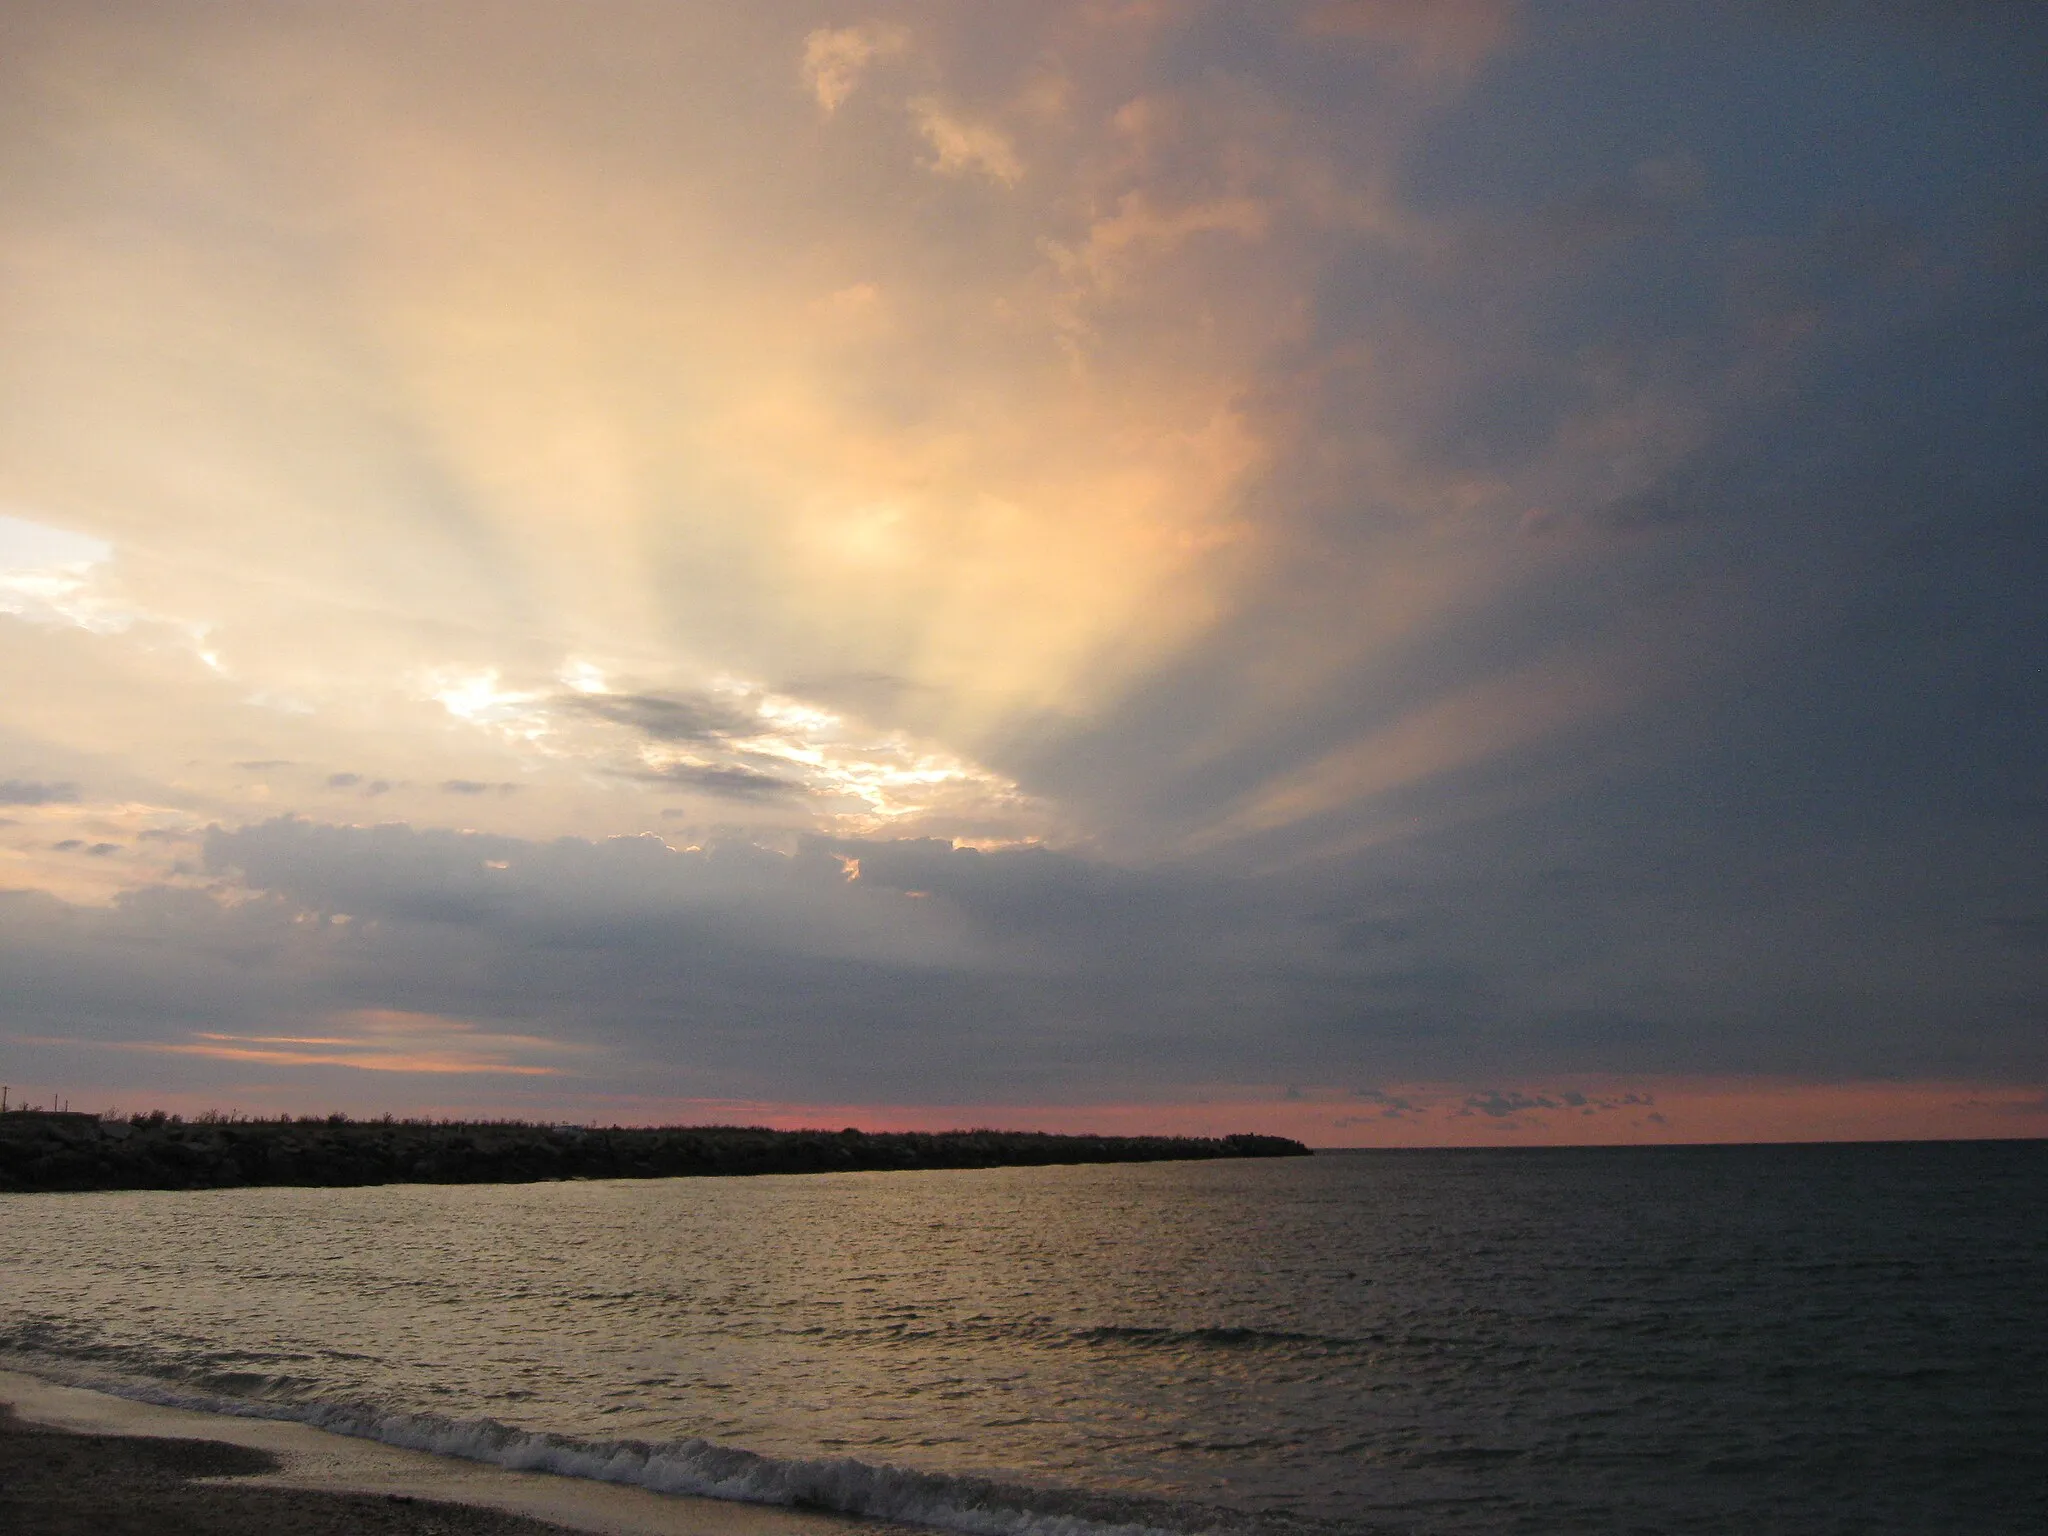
(1752,1340)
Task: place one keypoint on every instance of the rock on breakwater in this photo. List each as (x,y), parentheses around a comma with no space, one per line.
(40,1151)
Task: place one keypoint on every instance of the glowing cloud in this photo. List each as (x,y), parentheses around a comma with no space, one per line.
(959,146)
(835,59)
(379,1040)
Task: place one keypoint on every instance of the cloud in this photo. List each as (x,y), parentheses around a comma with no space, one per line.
(1433,36)
(1393,1106)
(1397,548)
(835,59)
(1141,231)
(476,787)
(615,891)
(36,792)
(961,146)
(913,969)
(371,788)
(665,716)
(751,743)
(716,779)
(1499,1105)
(378,1040)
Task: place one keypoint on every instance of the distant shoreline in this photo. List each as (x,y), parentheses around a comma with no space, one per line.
(43,1152)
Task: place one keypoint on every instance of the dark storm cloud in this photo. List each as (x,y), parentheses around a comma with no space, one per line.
(1021,889)
(1796,575)
(951,974)
(36,792)
(2029,931)
(772,973)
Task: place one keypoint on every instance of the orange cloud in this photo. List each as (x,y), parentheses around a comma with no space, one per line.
(960,145)
(836,58)
(1437,36)
(382,1040)
(365,1061)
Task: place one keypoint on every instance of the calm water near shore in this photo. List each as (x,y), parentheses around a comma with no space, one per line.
(1756,1340)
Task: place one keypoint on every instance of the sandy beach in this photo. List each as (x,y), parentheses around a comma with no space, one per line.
(56,1483)
(75,1461)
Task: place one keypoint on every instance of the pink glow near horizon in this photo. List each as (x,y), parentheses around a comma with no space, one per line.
(1649,1112)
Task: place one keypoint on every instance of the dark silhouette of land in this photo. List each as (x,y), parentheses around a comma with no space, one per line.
(42,1151)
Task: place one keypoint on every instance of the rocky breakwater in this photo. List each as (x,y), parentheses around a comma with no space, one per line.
(42,1151)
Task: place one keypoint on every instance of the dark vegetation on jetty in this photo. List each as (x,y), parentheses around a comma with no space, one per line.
(40,1150)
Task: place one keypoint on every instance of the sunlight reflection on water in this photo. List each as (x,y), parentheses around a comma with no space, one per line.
(1763,1339)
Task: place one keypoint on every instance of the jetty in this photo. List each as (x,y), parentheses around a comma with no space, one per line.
(42,1151)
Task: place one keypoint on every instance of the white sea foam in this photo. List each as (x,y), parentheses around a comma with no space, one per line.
(696,1468)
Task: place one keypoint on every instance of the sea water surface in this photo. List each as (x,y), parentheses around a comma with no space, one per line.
(1746,1339)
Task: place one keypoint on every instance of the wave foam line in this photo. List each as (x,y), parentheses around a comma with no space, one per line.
(700,1468)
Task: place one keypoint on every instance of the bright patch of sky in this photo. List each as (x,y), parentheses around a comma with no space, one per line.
(48,576)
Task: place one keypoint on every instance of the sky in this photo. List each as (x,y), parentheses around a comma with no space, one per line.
(1395,573)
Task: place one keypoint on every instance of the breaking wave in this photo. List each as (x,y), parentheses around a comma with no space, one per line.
(694,1467)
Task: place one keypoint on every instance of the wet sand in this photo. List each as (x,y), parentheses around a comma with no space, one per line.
(74,1462)
(55,1483)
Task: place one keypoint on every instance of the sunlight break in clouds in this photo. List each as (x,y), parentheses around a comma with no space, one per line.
(51,575)
(1315,543)
(46,575)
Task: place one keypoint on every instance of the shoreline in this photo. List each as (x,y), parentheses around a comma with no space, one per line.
(112,1464)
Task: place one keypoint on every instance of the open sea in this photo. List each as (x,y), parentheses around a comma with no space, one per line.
(1741,1340)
